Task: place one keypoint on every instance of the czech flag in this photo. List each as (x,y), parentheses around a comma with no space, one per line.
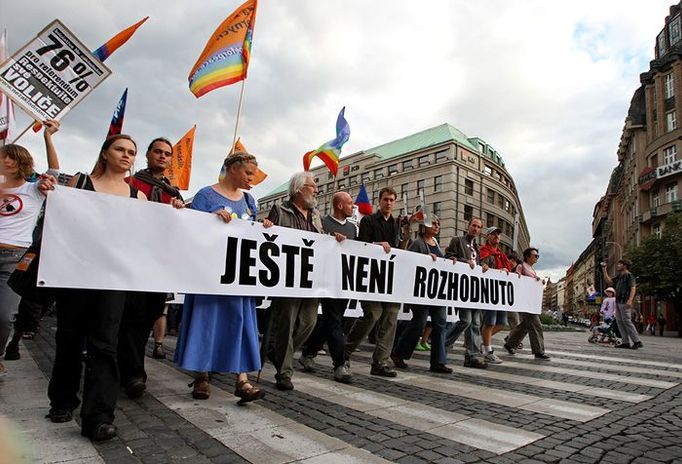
(362,201)
(116,126)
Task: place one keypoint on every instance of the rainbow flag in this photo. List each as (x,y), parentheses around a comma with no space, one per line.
(329,152)
(225,58)
(116,41)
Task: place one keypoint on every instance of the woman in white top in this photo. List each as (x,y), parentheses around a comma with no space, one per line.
(20,203)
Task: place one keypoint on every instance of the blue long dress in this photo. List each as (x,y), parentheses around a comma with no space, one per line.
(219,333)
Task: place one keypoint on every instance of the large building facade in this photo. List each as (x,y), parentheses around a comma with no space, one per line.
(644,187)
(456,177)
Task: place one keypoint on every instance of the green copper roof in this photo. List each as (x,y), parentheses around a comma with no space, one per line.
(424,139)
(281,189)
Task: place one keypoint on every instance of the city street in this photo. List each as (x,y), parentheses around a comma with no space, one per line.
(590,403)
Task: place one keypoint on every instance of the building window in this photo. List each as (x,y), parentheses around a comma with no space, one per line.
(441,156)
(662,45)
(436,209)
(507,205)
(392,169)
(420,187)
(674,31)
(342,185)
(655,200)
(330,176)
(468,186)
(424,161)
(438,183)
(468,212)
(407,165)
(488,170)
(490,195)
(489,220)
(670,121)
(669,154)
(671,193)
(656,230)
(669,85)
(403,190)
(500,201)
(366,178)
(653,161)
(352,180)
(378,173)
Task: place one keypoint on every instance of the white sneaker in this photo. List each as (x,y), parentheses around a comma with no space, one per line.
(492,358)
(342,374)
(308,363)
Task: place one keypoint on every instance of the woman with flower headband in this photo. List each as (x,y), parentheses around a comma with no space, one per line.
(219,333)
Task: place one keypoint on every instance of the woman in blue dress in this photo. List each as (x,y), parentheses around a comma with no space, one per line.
(220,333)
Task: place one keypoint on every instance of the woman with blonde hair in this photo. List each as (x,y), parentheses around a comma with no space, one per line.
(219,333)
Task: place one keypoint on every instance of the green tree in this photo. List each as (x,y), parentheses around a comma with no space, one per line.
(657,262)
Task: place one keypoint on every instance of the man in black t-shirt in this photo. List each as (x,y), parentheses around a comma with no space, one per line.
(624,282)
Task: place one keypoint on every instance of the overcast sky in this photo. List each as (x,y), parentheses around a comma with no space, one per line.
(546,83)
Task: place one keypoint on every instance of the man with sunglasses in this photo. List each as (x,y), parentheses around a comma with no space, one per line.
(528,323)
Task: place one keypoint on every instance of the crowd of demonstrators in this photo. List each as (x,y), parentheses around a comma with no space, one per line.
(529,324)
(219,333)
(624,283)
(109,330)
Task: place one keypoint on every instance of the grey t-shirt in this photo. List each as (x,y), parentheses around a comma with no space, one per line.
(332,226)
(623,283)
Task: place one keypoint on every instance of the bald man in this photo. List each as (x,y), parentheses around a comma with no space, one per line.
(331,329)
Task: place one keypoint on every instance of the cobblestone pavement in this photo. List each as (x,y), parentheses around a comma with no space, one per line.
(590,403)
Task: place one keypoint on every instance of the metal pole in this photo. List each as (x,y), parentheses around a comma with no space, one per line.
(239,111)
(23,132)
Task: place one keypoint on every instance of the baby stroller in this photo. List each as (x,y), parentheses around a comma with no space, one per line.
(606,333)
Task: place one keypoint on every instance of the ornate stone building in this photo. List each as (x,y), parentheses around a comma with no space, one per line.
(455,176)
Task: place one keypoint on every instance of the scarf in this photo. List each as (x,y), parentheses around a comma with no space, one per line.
(501,260)
(158,185)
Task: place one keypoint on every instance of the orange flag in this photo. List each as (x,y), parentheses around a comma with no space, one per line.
(260,175)
(181,163)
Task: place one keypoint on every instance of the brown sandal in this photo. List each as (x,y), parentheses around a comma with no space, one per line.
(247,392)
(201,390)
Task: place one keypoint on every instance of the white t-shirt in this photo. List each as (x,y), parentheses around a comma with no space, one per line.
(19,208)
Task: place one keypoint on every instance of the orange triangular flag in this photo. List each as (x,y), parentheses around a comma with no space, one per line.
(181,164)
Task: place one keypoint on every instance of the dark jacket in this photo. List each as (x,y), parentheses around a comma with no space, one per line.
(459,249)
(286,217)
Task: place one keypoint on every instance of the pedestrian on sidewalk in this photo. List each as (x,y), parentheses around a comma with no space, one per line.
(624,283)
(219,333)
(529,324)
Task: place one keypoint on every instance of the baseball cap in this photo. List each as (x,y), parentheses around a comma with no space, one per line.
(493,230)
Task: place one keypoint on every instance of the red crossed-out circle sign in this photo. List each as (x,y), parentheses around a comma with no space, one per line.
(10,204)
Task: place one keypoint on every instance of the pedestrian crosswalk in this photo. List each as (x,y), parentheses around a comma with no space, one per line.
(497,410)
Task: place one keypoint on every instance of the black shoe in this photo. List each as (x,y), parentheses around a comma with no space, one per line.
(398,362)
(12,352)
(440,368)
(158,352)
(635,346)
(100,433)
(59,416)
(623,345)
(383,371)
(509,349)
(284,383)
(542,356)
(135,388)
(475,363)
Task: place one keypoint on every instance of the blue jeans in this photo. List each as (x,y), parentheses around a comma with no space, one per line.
(470,324)
(406,343)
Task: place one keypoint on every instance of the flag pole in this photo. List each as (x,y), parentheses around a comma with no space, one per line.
(23,132)
(239,112)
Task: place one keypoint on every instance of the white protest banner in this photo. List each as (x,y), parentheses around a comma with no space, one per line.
(51,74)
(94,240)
